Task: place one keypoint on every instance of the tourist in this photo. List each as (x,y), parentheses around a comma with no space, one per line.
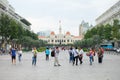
(93,51)
(47,52)
(91,54)
(34,58)
(56,62)
(75,54)
(100,55)
(19,54)
(13,55)
(70,55)
(81,55)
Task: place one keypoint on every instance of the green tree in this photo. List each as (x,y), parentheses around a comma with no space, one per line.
(4,27)
(88,34)
(12,31)
(116,29)
(107,32)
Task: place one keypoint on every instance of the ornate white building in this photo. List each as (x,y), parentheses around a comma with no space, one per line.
(109,15)
(60,38)
(6,8)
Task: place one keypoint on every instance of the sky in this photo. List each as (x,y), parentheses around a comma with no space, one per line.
(44,15)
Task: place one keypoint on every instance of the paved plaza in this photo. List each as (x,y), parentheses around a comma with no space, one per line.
(45,70)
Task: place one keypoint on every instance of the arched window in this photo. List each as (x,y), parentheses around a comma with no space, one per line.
(67,40)
(52,40)
(55,40)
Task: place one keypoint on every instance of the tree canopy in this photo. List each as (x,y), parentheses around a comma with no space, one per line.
(97,34)
(12,31)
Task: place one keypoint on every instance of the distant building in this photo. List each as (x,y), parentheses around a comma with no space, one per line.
(60,38)
(6,8)
(84,26)
(109,16)
(44,33)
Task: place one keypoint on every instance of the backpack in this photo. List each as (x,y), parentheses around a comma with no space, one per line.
(53,53)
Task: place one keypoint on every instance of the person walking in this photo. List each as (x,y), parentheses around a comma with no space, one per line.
(19,54)
(47,52)
(91,54)
(81,55)
(75,54)
(100,55)
(13,55)
(56,62)
(93,51)
(70,55)
(34,58)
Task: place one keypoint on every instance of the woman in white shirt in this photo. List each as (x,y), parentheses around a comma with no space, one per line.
(75,58)
(19,54)
(56,62)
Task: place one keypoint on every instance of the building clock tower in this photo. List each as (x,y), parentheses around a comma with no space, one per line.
(60,29)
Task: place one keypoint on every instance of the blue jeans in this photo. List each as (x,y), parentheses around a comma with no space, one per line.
(71,59)
(19,57)
(33,60)
(91,59)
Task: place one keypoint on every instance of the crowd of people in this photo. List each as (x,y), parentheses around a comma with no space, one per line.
(75,55)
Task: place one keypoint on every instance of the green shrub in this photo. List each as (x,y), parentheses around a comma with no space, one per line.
(41,49)
(85,49)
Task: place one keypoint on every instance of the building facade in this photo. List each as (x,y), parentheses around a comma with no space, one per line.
(110,15)
(7,9)
(60,38)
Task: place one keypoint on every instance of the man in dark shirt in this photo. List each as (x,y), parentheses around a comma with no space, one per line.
(13,55)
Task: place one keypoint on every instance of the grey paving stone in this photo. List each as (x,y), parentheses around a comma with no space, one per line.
(45,70)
